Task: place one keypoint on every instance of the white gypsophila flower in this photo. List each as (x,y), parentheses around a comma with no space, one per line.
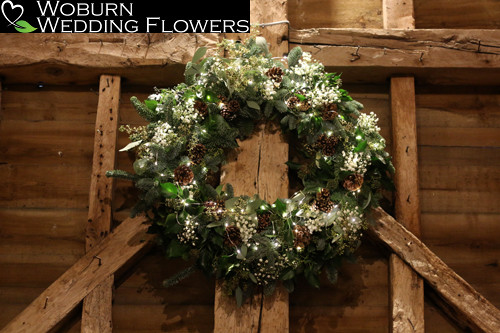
(268,91)
(164,135)
(350,220)
(185,112)
(355,162)
(324,95)
(155,97)
(308,68)
(188,234)
(368,122)
(247,227)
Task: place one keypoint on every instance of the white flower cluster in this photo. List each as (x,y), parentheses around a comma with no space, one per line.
(155,97)
(308,68)
(350,221)
(186,113)
(247,226)
(323,95)
(368,123)
(266,273)
(355,162)
(164,135)
(267,89)
(188,234)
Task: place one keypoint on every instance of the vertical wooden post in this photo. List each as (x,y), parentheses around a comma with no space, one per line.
(406,288)
(398,14)
(96,315)
(258,166)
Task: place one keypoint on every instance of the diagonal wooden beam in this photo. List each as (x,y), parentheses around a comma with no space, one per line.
(96,313)
(53,304)
(461,298)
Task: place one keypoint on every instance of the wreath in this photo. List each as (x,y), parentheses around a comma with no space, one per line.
(246,242)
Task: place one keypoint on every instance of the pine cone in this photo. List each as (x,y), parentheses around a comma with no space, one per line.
(275,74)
(329,112)
(302,236)
(215,209)
(323,202)
(264,220)
(201,107)
(230,109)
(292,102)
(183,175)
(353,182)
(327,144)
(232,237)
(197,153)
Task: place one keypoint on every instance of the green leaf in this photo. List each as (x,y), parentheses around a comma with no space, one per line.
(361,146)
(280,206)
(253,278)
(151,104)
(169,189)
(131,145)
(294,56)
(199,54)
(288,275)
(253,105)
(238,293)
(24,27)
(214,224)
(219,189)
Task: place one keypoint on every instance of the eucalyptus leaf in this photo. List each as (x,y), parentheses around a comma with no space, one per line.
(199,54)
(131,145)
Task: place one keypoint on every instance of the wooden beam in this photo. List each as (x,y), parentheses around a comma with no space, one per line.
(406,288)
(258,166)
(96,314)
(129,238)
(398,14)
(472,308)
(421,48)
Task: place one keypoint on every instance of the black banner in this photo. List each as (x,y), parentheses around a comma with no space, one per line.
(63,16)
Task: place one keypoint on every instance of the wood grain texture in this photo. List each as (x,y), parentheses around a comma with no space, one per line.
(81,58)
(258,166)
(78,281)
(459,14)
(475,310)
(406,288)
(335,14)
(96,313)
(398,14)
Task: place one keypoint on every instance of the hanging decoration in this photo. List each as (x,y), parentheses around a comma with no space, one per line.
(244,241)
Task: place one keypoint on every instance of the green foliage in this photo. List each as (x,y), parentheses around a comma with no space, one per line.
(244,240)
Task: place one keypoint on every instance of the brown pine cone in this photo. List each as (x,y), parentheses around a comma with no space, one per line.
(264,220)
(302,236)
(353,182)
(275,74)
(292,102)
(232,237)
(216,209)
(327,144)
(329,112)
(183,175)
(230,109)
(197,152)
(323,202)
(201,107)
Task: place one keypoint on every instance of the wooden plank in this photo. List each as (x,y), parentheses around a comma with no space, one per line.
(398,14)
(475,310)
(405,156)
(458,14)
(96,313)
(258,166)
(95,266)
(406,288)
(410,49)
(335,14)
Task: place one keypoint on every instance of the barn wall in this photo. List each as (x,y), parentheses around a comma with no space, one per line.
(46,142)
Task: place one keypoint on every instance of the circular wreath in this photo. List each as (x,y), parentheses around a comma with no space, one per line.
(245,241)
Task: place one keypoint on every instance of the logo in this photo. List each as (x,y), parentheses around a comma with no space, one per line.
(13,13)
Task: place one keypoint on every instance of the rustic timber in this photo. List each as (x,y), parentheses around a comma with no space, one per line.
(398,14)
(92,269)
(258,166)
(475,310)
(96,313)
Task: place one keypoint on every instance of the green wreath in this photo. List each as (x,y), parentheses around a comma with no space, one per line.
(244,241)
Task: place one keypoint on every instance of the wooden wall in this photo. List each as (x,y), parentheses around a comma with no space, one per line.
(46,142)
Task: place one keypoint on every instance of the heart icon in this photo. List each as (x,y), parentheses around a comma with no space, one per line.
(11,12)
